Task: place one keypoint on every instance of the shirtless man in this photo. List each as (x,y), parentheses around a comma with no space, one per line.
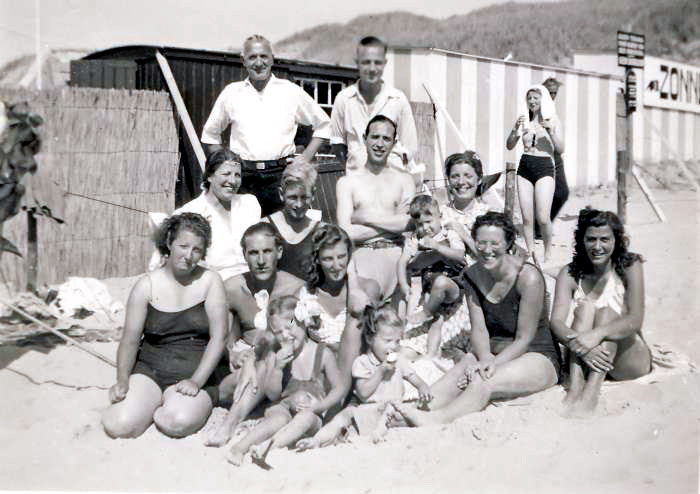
(373,207)
(247,295)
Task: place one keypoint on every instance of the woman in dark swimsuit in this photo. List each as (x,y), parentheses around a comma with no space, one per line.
(173,339)
(513,351)
(292,223)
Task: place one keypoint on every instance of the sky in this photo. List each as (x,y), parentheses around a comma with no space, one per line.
(205,24)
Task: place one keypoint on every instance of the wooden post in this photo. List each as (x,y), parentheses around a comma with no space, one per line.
(622,185)
(510,190)
(181,109)
(32,252)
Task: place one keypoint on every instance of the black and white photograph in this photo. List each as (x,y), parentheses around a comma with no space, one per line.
(350,247)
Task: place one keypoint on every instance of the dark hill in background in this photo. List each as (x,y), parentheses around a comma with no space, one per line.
(545,33)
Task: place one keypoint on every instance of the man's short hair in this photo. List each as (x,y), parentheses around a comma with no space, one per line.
(380,118)
(552,81)
(257,38)
(263,228)
(373,41)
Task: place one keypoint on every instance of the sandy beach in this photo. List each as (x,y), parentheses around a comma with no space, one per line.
(644,438)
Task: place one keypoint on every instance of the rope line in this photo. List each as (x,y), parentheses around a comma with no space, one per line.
(107,202)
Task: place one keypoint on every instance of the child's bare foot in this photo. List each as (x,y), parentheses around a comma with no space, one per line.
(235,456)
(418,318)
(307,443)
(259,451)
(413,416)
(219,436)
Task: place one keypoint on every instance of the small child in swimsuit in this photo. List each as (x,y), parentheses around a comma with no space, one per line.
(379,375)
(438,255)
(296,370)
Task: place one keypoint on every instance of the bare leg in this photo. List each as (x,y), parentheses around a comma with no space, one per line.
(329,432)
(445,390)
(544,192)
(379,433)
(526,197)
(238,412)
(584,317)
(182,415)
(276,417)
(134,414)
(633,359)
(588,402)
(527,374)
(302,423)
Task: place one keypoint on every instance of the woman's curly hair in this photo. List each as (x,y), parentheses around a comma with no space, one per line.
(499,220)
(324,236)
(171,226)
(621,258)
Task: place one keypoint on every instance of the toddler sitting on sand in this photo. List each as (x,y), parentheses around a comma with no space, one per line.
(379,374)
(294,379)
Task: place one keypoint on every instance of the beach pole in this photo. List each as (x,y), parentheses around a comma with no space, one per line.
(64,337)
(510,190)
(181,109)
(32,252)
(647,192)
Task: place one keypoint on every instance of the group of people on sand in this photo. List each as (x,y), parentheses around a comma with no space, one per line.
(308,326)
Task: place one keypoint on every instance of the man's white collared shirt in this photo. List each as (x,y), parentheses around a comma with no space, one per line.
(264,123)
(350,116)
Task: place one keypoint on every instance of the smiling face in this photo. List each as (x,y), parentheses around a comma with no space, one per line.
(297,201)
(385,341)
(262,255)
(599,242)
(186,250)
(258,60)
(225,182)
(428,223)
(491,246)
(380,141)
(371,61)
(534,101)
(334,261)
(463,181)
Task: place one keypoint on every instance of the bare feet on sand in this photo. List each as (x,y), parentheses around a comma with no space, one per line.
(235,456)
(307,443)
(413,416)
(219,436)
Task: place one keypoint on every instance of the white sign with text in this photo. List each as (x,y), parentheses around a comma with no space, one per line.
(671,85)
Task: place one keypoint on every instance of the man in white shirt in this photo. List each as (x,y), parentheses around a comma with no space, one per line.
(264,112)
(370,96)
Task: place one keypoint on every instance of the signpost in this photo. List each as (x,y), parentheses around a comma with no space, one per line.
(630,54)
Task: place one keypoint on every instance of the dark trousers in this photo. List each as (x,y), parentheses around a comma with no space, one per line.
(561,188)
(265,186)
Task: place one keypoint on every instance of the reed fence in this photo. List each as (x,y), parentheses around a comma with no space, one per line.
(114,146)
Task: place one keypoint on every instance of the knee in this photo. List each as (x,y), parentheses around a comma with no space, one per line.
(118,424)
(442,283)
(176,423)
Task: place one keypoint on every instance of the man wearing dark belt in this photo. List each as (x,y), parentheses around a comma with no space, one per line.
(561,188)
(264,112)
(373,207)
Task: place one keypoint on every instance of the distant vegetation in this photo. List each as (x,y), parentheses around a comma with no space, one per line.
(546,33)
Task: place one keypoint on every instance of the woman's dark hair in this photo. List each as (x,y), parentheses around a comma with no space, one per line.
(324,236)
(621,259)
(373,316)
(171,226)
(466,158)
(499,220)
(215,160)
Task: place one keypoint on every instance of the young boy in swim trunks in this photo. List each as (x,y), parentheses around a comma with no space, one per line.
(379,375)
(294,379)
(438,256)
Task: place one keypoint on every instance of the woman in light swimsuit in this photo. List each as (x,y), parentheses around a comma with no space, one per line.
(514,353)
(173,339)
(542,135)
(327,283)
(599,309)
(292,222)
